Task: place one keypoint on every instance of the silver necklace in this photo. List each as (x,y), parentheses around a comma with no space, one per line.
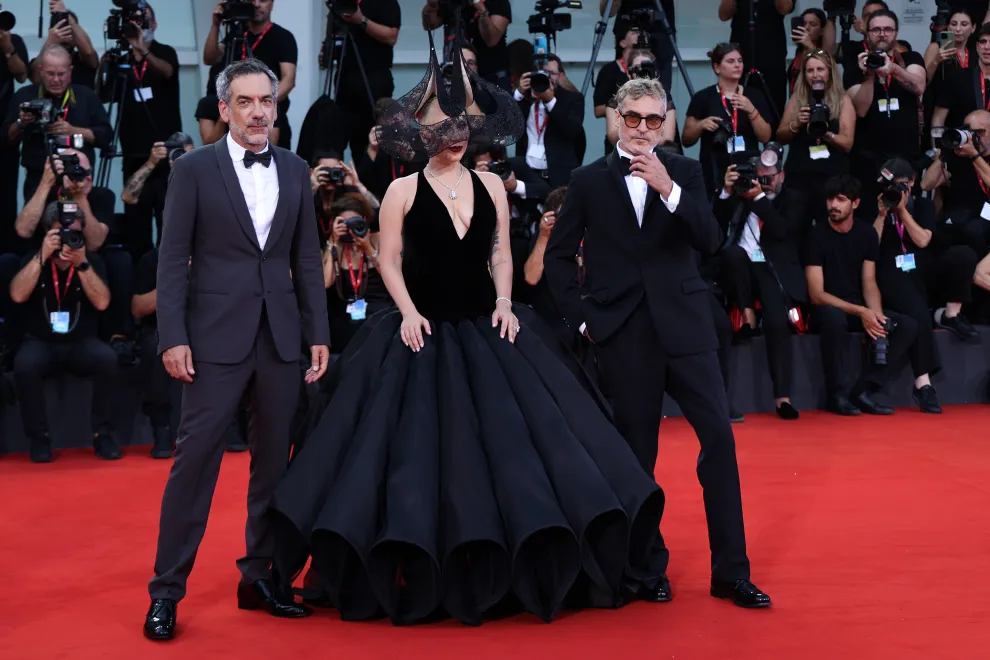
(451,193)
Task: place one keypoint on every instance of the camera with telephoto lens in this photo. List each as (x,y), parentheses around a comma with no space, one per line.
(42,112)
(644,20)
(747,176)
(820,113)
(875,59)
(953,138)
(237,11)
(500,168)
(356,227)
(128,21)
(645,69)
(334,175)
(546,21)
(68,213)
(539,78)
(892,193)
(881,345)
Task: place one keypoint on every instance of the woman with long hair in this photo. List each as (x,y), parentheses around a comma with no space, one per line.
(816,33)
(820,141)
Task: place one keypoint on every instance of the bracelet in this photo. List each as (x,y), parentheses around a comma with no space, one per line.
(503,298)
(755,115)
(374,256)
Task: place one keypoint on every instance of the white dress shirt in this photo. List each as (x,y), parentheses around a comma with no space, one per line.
(536,151)
(638,189)
(749,240)
(260,187)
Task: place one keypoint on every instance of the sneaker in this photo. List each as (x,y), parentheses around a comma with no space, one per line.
(926,400)
(960,326)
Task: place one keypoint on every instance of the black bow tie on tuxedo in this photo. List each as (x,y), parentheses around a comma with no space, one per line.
(624,164)
(265,158)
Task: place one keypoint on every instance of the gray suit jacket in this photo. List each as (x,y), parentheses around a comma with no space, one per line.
(214,304)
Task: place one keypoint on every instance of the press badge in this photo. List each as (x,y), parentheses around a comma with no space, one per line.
(142,94)
(60,322)
(736,145)
(985,213)
(890,105)
(819,152)
(905,262)
(358,310)
(758,257)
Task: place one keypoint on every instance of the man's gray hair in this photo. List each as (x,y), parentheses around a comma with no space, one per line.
(640,88)
(54,49)
(243,68)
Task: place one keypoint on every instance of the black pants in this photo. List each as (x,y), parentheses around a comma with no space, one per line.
(635,374)
(812,188)
(209,404)
(974,232)
(950,278)
(117,320)
(833,324)
(905,293)
(723,329)
(13,326)
(745,282)
(157,404)
(37,360)
(137,232)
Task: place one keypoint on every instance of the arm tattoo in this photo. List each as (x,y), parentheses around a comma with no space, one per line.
(494,242)
(136,184)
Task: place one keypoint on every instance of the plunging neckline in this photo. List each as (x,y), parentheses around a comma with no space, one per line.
(450,215)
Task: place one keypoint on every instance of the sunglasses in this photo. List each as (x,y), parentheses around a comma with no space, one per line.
(653,122)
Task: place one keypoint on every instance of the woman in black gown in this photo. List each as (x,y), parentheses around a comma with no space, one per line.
(478,471)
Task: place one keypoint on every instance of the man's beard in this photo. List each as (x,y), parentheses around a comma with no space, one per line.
(250,138)
(837,218)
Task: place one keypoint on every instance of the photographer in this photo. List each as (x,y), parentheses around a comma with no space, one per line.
(964,89)
(769,39)
(849,51)
(641,64)
(654,37)
(355,289)
(62,289)
(269,42)
(65,31)
(819,123)
(13,70)
(332,180)
(157,403)
(74,110)
(378,170)
(816,33)
(145,189)
(554,140)
(485,23)
(886,103)
(540,298)
(841,258)
(726,118)
(760,262)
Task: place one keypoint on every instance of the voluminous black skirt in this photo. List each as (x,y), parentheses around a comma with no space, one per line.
(469,475)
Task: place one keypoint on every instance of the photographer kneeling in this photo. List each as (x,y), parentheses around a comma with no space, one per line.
(841,259)
(355,289)
(760,260)
(62,290)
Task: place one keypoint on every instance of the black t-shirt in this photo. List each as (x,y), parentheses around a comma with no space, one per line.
(841,257)
(610,78)
(881,134)
(146,281)
(7,80)
(375,56)
(272,46)
(82,73)
(138,131)
(960,93)
(963,197)
(771,37)
(491,59)
(83,317)
(851,75)
(923,212)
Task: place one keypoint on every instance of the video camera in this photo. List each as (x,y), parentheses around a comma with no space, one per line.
(545,21)
(953,138)
(820,113)
(643,19)
(343,7)
(68,213)
(356,227)
(127,21)
(845,11)
(943,14)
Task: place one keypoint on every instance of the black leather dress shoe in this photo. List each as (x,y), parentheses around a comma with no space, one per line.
(865,402)
(159,624)
(263,595)
(840,405)
(661,593)
(742,592)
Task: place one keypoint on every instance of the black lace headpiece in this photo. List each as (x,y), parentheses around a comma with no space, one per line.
(477,111)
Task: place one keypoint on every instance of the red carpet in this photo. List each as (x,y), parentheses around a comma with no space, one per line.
(871,535)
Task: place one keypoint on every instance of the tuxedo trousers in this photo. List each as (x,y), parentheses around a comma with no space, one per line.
(209,405)
(635,374)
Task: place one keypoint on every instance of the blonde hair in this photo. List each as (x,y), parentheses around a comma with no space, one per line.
(833,88)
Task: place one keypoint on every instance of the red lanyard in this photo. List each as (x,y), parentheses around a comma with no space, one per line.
(625,69)
(355,281)
(536,120)
(402,169)
(734,112)
(257,41)
(983,186)
(963,61)
(68,280)
(983,95)
(144,70)
(899,226)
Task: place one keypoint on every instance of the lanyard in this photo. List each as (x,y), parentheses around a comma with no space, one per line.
(402,169)
(536,120)
(144,70)
(355,280)
(734,112)
(983,186)
(257,41)
(899,226)
(983,94)
(68,280)
(963,61)
(625,69)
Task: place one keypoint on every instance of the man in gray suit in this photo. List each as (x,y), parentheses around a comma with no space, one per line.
(232,320)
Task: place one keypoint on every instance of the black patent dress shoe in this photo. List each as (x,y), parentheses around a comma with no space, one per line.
(786,411)
(741,592)
(263,595)
(865,402)
(661,593)
(840,405)
(159,624)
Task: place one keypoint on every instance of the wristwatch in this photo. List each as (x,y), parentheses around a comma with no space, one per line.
(83,267)
(364,23)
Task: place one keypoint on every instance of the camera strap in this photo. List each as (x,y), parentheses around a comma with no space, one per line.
(60,293)
(356,280)
(536,119)
(983,90)
(257,41)
(899,226)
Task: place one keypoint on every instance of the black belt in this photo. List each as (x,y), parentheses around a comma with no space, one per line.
(544,174)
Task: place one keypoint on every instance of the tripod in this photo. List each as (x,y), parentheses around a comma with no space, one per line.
(335,46)
(237,48)
(118,67)
(753,73)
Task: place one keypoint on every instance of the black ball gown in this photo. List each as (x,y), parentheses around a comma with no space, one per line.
(471,476)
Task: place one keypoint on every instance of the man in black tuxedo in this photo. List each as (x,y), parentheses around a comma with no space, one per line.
(760,261)
(554,142)
(643,217)
(240,284)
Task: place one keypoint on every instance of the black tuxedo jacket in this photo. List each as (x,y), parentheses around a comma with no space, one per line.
(780,238)
(564,135)
(625,263)
(215,304)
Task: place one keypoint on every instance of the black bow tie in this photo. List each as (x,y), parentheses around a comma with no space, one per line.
(624,164)
(265,158)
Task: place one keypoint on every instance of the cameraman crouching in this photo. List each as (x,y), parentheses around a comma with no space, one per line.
(355,289)
(841,259)
(332,180)
(62,290)
(760,261)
